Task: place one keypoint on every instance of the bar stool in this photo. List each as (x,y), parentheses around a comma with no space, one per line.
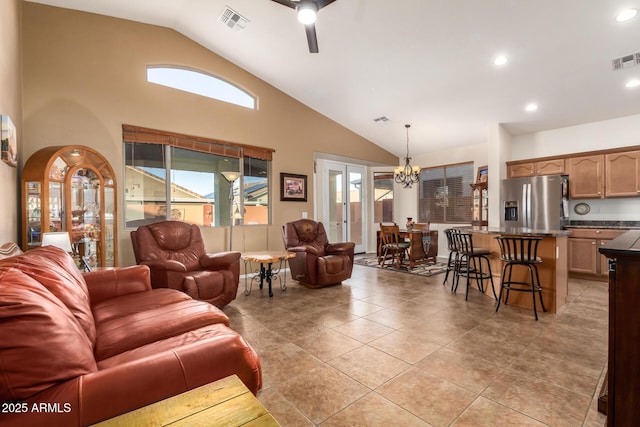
(453,254)
(520,251)
(471,262)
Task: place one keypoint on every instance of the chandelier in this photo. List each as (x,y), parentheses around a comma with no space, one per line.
(407,175)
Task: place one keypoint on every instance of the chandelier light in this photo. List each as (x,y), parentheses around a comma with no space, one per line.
(407,175)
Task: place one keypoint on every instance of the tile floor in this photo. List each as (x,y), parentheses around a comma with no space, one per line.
(388,348)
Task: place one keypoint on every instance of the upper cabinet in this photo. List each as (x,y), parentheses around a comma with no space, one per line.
(536,168)
(586,177)
(622,171)
(72,189)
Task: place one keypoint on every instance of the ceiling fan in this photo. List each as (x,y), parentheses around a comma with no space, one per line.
(307,10)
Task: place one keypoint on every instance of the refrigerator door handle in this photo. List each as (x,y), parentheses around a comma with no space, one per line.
(526,202)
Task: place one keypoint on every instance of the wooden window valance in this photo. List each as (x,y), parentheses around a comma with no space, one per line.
(142,135)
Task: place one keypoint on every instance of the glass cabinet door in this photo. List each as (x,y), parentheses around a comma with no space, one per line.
(109,227)
(34,213)
(86,216)
(56,207)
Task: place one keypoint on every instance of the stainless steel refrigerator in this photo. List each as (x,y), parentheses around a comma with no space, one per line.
(537,203)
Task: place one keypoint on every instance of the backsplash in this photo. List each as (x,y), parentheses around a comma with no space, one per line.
(614,209)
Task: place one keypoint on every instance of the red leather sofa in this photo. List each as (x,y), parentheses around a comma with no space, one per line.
(79,348)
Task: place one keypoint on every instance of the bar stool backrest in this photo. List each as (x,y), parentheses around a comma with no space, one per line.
(523,250)
(451,244)
(464,242)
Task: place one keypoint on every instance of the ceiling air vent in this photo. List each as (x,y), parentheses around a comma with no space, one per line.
(626,61)
(382,119)
(233,19)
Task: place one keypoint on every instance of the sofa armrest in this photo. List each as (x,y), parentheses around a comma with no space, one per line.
(220,260)
(305,249)
(340,248)
(114,282)
(165,265)
(130,384)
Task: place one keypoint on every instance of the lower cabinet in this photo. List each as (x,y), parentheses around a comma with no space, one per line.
(623,374)
(584,256)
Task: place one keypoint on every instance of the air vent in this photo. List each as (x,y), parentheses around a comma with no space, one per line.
(233,19)
(626,61)
(382,119)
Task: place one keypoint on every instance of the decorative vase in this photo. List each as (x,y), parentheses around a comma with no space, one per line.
(410,223)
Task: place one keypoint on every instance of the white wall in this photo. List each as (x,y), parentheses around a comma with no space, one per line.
(614,133)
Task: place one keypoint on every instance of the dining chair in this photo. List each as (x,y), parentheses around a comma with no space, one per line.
(394,249)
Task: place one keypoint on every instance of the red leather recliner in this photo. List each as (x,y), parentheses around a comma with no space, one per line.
(177,258)
(317,263)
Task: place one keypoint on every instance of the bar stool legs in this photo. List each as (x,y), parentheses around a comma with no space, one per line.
(520,251)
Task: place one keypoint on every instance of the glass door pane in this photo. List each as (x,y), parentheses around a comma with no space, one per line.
(356,223)
(335,226)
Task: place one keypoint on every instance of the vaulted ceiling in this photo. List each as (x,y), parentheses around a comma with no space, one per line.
(429,63)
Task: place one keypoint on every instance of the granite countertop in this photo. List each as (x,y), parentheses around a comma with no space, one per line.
(616,225)
(513,231)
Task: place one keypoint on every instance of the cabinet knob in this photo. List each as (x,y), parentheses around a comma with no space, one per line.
(593,243)
(597,231)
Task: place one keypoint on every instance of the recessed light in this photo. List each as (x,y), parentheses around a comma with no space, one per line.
(626,15)
(632,83)
(531,107)
(500,60)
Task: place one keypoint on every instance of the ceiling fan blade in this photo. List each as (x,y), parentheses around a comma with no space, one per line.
(323,3)
(287,3)
(311,38)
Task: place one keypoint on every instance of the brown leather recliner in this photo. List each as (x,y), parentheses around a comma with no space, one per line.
(317,263)
(176,256)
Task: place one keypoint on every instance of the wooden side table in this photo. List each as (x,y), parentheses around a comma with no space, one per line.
(226,402)
(267,273)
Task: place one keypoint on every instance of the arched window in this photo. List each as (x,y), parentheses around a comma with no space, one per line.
(201,84)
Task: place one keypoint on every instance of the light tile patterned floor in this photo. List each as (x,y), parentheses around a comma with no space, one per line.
(387,348)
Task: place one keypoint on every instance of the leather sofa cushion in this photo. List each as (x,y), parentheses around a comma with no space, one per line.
(56,271)
(120,334)
(213,351)
(171,240)
(42,342)
(129,304)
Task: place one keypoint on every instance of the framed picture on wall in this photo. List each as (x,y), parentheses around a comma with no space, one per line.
(293,188)
(8,141)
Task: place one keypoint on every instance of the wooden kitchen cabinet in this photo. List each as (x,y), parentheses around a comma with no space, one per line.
(586,177)
(622,174)
(585,259)
(71,188)
(550,167)
(536,168)
(623,369)
(520,170)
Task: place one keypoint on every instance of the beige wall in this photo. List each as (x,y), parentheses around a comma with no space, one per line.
(11,105)
(84,76)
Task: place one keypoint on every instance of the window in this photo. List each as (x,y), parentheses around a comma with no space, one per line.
(200,83)
(445,194)
(171,176)
(383,196)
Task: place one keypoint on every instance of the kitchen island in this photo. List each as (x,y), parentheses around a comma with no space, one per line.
(553,270)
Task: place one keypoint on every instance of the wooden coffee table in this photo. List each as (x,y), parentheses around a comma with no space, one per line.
(226,402)
(268,272)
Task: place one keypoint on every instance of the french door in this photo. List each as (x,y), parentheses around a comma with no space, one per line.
(343,204)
